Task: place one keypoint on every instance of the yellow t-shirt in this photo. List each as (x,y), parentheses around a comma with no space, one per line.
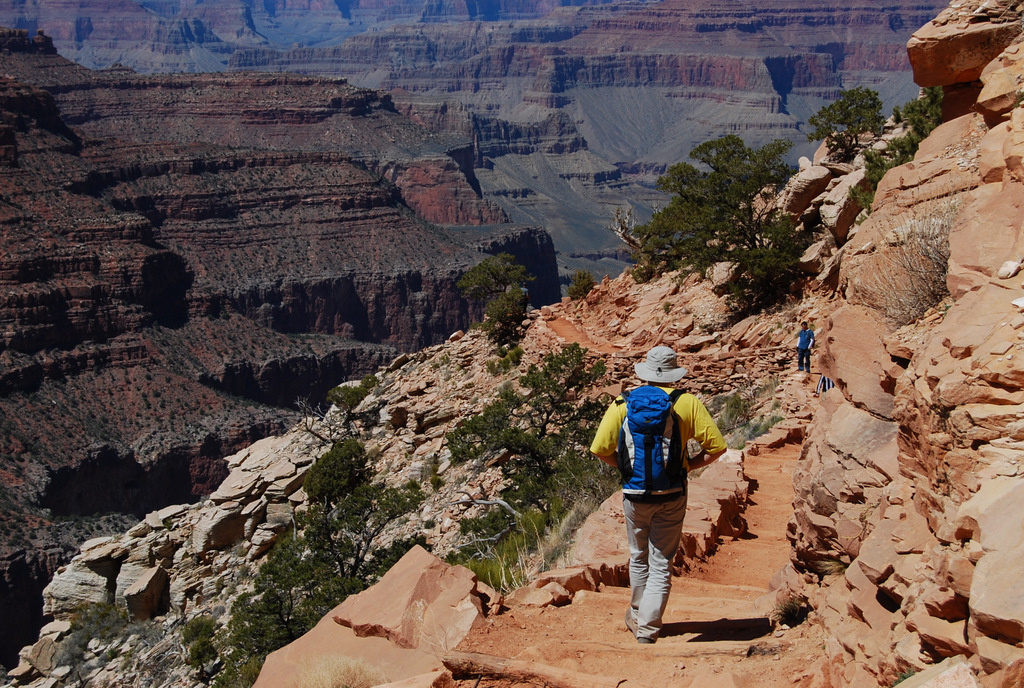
(694,423)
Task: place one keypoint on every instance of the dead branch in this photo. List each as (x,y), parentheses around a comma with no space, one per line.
(486,502)
(329,427)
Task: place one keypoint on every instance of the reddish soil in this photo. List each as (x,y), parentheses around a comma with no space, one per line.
(713,635)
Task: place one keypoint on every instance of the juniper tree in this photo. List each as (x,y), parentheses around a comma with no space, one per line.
(499,282)
(841,123)
(725,211)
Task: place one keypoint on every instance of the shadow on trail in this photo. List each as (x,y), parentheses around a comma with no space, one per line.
(720,629)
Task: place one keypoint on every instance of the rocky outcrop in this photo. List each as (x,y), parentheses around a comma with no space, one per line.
(533,249)
(18,41)
(904,489)
(438,605)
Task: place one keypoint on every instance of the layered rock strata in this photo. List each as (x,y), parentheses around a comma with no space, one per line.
(167,289)
(580,111)
(574,111)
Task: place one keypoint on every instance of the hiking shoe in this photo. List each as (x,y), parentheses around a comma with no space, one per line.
(645,641)
(630,622)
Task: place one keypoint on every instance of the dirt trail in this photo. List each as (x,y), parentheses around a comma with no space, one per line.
(713,635)
(570,333)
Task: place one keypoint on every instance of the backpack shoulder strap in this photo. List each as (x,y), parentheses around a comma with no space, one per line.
(675,394)
(622,398)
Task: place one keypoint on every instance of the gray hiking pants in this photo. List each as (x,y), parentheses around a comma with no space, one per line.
(653,531)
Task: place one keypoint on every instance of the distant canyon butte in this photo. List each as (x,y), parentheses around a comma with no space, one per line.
(225,206)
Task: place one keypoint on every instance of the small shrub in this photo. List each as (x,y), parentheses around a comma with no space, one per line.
(349,396)
(767,388)
(909,275)
(201,653)
(508,359)
(197,635)
(904,676)
(753,429)
(503,562)
(582,283)
(735,412)
(790,612)
(829,567)
(102,621)
(198,627)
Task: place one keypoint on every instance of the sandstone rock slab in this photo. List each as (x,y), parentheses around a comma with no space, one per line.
(420,599)
(997,600)
(149,595)
(943,54)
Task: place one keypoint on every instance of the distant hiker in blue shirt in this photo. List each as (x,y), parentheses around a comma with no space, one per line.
(804,342)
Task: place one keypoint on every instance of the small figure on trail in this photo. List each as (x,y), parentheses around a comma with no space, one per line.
(644,433)
(804,342)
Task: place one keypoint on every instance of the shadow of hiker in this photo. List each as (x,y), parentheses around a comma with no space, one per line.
(720,629)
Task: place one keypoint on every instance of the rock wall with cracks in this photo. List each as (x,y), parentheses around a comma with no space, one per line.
(906,529)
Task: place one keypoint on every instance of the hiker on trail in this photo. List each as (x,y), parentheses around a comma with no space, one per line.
(804,342)
(644,433)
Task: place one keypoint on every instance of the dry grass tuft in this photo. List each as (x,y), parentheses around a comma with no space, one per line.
(909,274)
(339,671)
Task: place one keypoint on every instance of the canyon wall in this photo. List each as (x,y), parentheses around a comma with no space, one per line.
(585,107)
(906,511)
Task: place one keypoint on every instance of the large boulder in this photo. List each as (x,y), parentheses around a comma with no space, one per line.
(852,352)
(954,49)
(802,188)
(848,461)
(839,209)
(419,611)
(420,599)
(997,606)
(149,595)
(986,235)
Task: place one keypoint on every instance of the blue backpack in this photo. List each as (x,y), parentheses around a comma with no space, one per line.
(650,443)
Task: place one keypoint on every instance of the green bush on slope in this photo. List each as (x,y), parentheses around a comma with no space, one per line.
(334,553)
(540,436)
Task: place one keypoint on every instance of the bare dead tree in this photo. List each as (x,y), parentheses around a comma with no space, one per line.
(329,426)
(497,537)
(623,225)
